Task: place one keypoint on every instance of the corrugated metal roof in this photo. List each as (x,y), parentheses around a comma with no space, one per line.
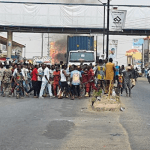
(3,40)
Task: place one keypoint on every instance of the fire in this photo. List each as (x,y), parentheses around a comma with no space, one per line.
(57,52)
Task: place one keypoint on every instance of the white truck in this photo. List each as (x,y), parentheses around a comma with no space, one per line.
(81,50)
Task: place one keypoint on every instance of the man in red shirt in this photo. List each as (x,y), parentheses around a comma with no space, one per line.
(91,79)
(34,75)
(56,78)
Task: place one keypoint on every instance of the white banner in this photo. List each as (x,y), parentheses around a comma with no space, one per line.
(137,44)
(44,15)
(113,50)
(44,59)
(117,20)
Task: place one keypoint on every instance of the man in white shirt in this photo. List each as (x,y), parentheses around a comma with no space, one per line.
(40,76)
(46,81)
(25,74)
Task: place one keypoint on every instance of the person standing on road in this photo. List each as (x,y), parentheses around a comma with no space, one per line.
(18,78)
(46,82)
(133,76)
(25,82)
(34,75)
(91,79)
(1,77)
(116,72)
(127,81)
(56,78)
(75,80)
(110,67)
(148,75)
(85,81)
(15,71)
(63,81)
(7,74)
(100,73)
(40,76)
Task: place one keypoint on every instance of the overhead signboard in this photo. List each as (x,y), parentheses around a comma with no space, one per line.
(117,20)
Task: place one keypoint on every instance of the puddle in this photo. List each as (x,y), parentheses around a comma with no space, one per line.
(58,129)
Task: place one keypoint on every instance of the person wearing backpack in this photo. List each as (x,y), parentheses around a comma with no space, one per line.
(75,80)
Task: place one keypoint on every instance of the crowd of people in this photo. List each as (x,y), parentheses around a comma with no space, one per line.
(59,80)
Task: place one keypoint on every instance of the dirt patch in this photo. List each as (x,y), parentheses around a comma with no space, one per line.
(107,104)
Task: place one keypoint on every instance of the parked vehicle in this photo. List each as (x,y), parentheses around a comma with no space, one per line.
(81,49)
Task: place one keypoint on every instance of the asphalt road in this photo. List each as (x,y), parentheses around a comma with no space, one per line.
(136,118)
(53,124)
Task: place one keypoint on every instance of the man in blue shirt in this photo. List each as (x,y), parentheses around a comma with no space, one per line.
(75,80)
(116,71)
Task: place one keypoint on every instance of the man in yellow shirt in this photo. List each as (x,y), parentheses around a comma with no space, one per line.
(110,67)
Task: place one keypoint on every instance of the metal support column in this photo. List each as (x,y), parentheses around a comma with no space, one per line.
(42,46)
(48,46)
(104,28)
(107,48)
(9,43)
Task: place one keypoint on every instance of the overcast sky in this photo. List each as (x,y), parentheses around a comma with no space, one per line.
(33,40)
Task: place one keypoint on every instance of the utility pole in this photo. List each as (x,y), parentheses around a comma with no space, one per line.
(104,28)
(25,50)
(48,46)
(142,55)
(148,50)
(107,48)
(96,47)
(42,46)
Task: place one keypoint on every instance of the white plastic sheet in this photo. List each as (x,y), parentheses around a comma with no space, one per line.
(67,16)
(50,15)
